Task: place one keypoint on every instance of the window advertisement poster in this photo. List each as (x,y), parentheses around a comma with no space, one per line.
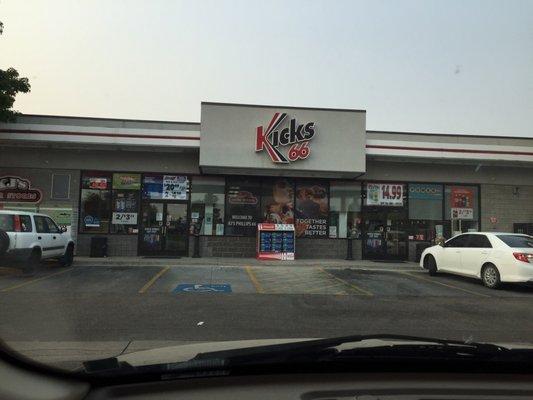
(61,216)
(278,201)
(175,187)
(126,181)
(312,208)
(384,194)
(462,203)
(423,191)
(153,187)
(242,208)
(96,182)
(124,218)
(125,207)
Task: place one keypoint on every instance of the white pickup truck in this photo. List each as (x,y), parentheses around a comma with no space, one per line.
(30,237)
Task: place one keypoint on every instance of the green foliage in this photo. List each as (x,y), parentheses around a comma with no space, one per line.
(10,85)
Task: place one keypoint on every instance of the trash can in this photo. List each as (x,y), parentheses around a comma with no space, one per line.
(98,246)
(420,247)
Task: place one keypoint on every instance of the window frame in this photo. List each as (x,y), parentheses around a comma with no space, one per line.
(68,186)
(35,217)
(53,224)
(462,236)
(479,237)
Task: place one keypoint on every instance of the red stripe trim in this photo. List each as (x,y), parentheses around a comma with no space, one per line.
(95,134)
(518,153)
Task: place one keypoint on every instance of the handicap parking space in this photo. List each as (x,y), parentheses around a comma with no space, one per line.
(235,279)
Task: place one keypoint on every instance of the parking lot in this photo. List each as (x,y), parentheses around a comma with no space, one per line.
(61,315)
(280,280)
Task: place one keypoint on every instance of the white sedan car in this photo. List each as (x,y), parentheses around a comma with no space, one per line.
(490,256)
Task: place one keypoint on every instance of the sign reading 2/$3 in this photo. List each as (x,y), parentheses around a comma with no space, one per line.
(282,132)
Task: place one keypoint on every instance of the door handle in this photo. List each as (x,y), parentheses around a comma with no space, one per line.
(485,252)
(39,238)
(53,237)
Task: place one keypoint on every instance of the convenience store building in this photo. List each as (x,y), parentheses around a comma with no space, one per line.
(146,186)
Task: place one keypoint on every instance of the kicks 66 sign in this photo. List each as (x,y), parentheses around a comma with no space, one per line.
(285,140)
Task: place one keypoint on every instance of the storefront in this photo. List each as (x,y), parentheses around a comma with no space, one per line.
(149,186)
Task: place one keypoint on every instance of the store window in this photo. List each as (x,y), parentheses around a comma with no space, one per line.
(425,211)
(125,207)
(242,206)
(345,210)
(277,201)
(461,208)
(207,204)
(95,203)
(311,209)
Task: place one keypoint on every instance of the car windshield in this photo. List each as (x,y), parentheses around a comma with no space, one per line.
(516,241)
(188,177)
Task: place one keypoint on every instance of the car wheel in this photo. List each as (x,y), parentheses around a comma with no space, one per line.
(491,277)
(68,257)
(4,242)
(33,261)
(431,265)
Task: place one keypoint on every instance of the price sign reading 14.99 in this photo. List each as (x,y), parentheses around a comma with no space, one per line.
(384,194)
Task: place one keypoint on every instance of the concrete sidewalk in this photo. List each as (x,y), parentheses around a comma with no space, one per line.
(235,262)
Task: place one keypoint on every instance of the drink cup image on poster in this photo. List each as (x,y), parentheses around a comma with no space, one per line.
(311,210)
(278,202)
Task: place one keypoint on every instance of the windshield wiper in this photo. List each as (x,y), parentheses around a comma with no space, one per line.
(310,353)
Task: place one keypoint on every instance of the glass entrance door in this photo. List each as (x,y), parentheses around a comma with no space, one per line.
(385,233)
(164,229)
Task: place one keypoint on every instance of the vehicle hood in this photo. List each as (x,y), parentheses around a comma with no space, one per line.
(182,353)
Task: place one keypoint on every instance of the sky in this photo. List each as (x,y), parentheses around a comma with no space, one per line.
(417,66)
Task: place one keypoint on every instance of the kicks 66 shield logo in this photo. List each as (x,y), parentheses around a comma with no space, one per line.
(282,132)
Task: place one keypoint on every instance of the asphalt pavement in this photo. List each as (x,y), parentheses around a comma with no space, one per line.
(66,315)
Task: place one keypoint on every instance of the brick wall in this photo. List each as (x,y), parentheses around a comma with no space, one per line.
(117,245)
(500,201)
(238,247)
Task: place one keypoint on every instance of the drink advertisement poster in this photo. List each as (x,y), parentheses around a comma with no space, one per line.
(462,203)
(127,181)
(153,187)
(311,210)
(384,194)
(278,202)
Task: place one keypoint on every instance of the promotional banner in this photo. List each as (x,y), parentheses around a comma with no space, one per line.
(384,194)
(278,201)
(175,187)
(126,181)
(425,191)
(242,207)
(462,203)
(153,187)
(95,182)
(124,218)
(311,209)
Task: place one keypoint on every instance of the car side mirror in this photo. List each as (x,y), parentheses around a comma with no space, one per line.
(62,229)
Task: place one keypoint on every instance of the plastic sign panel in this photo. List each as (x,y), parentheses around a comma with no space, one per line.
(124,218)
(275,241)
(462,203)
(18,190)
(384,194)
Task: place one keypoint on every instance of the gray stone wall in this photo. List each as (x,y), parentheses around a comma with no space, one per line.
(117,245)
(507,205)
(241,247)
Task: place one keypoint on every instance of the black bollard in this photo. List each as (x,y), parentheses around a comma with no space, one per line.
(349,249)
(196,249)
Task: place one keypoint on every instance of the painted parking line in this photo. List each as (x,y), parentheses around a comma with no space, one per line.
(31,281)
(153,280)
(254,280)
(443,284)
(349,284)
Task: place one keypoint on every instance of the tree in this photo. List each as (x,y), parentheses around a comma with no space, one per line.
(10,85)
